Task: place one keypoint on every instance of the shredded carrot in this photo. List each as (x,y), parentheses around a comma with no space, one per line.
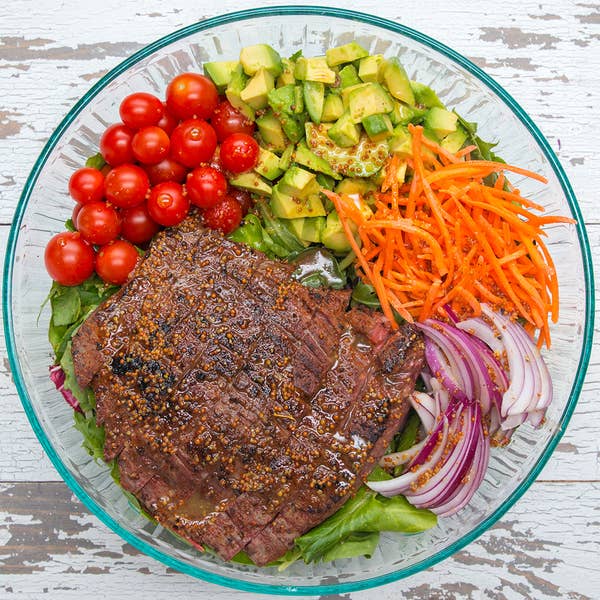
(445,237)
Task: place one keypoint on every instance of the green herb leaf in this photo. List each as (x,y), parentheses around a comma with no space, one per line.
(69,225)
(364,293)
(66,305)
(93,436)
(317,267)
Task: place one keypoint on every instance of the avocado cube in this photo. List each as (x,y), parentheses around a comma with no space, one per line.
(293,126)
(295,226)
(333,235)
(348,76)
(256,92)
(425,96)
(298,106)
(220,72)
(378,127)
(312,228)
(344,131)
(401,142)
(314,98)
(286,158)
(287,74)
(233,92)
(403,114)
(252,182)
(281,99)
(287,206)
(454,141)
(344,54)
(347,91)
(307,158)
(268,164)
(355,185)
(395,78)
(369,100)
(271,131)
(369,68)
(441,121)
(314,69)
(261,56)
(333,108)
(298,183)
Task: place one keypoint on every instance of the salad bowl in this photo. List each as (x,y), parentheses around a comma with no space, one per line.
(45,205)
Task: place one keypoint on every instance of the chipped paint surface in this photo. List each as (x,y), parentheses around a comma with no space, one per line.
(546,54)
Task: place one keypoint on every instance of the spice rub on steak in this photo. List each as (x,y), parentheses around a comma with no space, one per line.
(242,407)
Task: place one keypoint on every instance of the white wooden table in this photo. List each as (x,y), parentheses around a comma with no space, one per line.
(546,53)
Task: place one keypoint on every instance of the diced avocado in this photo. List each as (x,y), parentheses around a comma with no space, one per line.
(261,56)
(307,158)
(344,54)
(369,68)
(327,181)
(355,185)
(312,227)
(344,132)
(401,142)
(287,206)
(348,76)
(298,106)
(314,69)
(256,92)
(425,96)
(454,141)
(298,183)
(287,75)
(234,89)
(333,235)
(220,72)
(403,114)
(333,108)
(378,127)
(282,99)
(251,182)
(362,160)
(286,158)
(441,121)
(314,98)
(369,100)
(395,78)
(293,126)
(268,164)
(349,90)
(295,225)
(271,131)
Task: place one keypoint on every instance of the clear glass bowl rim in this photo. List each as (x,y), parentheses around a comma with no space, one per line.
(426,41)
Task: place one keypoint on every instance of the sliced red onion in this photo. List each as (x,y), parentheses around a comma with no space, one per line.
(425,407)
(57,376)
(479,328)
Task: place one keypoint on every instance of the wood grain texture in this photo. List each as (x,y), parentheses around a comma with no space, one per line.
(545,53)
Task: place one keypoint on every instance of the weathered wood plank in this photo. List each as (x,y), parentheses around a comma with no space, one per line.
(48,541)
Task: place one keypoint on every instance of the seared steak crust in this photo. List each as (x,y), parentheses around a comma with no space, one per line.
(242,407)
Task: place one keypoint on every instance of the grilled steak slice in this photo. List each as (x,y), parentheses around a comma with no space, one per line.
(242,407)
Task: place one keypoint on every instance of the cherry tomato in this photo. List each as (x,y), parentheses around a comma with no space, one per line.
(239,153)
(166,170)
(191,95)
(86,185)
(244,198)
(126,186)
(206,186)
(68,258)
(227,120)
(193,142)
(150,145)
(167,203)
(141,110)
(226,215)
(168,121)
(115,145)
(98,223)
(115,261)
(75,214)
(137,225)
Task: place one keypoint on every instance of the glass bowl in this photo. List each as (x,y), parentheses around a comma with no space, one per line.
(45,205)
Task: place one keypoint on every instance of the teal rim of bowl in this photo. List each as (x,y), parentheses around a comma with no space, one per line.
(383,24)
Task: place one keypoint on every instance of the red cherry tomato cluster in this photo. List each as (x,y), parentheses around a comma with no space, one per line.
(163,158)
